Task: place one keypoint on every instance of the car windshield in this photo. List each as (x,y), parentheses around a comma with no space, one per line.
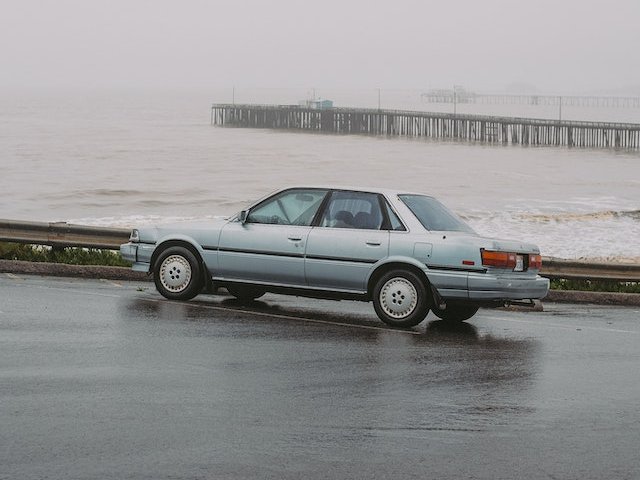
(434,215)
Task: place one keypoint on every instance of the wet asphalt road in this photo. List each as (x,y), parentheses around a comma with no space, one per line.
(108,380)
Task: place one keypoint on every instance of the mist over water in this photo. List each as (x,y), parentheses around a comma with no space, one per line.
(123,158)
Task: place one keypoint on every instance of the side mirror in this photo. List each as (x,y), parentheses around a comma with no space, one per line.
(242,216)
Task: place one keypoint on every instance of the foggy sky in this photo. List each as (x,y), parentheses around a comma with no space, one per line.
(562,46)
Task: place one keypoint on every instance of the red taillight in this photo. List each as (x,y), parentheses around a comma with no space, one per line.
(535,262)
(498,259)
(510,260)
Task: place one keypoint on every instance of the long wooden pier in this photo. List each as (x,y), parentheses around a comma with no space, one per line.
(474,128)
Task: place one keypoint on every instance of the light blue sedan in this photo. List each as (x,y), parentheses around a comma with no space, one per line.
(404,251)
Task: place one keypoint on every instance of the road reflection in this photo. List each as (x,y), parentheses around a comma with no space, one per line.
(462,330)
(330,374)
(443,364)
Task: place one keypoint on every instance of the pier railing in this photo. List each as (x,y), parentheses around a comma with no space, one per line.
(474,128)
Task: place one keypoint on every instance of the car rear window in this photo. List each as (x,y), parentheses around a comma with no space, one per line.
(433,215)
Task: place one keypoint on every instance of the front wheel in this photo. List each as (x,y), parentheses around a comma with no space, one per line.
(177,274)
(455,311)
(400,299)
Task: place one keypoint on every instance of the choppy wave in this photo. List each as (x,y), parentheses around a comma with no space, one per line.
(95,199)
(130,221)
(608,235)
(128,194)
(99,192)
(579,216)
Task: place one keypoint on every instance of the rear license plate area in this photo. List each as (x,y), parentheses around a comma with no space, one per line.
(519,263)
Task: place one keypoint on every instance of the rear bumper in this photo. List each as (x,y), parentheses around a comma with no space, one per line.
(504,287)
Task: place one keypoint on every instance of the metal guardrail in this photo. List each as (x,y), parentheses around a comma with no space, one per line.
(577,270)
(61,234)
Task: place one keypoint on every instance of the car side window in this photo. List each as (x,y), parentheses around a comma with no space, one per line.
(352,210)
(291,207)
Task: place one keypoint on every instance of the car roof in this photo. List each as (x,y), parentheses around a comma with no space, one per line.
(383,190)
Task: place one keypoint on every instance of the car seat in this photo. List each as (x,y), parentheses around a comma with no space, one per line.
(343,219)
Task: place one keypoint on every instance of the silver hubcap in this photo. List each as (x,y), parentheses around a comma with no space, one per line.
(398,298)
(175,273)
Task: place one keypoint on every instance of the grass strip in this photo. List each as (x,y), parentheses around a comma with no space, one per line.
(595,286)
(69,255)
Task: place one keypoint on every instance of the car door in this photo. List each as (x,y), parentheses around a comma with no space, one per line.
(269,246)
(347,241)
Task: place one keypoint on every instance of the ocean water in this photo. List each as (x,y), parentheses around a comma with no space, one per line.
(125,158)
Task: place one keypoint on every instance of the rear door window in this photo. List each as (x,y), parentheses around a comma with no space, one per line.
(360,210)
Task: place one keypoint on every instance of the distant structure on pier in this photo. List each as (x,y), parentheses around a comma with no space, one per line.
(460,95)
(316,104)
(443,95)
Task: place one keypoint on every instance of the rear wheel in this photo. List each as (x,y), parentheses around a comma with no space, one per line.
(177,274)
(455,311)
(245,293)
(400,299)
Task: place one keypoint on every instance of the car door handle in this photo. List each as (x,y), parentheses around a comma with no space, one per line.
(373,244)
(295,239)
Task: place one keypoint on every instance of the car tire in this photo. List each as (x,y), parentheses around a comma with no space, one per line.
(400,299)
(177,273)
(245,293)
(455,312)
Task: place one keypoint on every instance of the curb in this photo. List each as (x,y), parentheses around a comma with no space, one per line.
(76,271)
(125,273)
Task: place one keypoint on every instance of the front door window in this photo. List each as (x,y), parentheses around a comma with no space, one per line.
(292,207)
